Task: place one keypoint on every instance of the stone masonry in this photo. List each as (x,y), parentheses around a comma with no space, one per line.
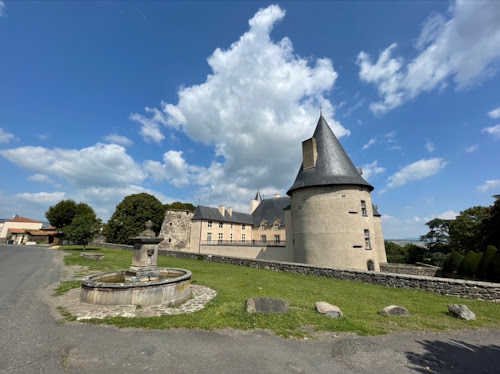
(176,230)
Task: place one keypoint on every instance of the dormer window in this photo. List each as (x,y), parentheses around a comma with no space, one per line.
(276,225)
(309,153)
(263,225)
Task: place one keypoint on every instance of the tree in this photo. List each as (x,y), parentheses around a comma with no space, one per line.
(453,262)
(82,229)
(179,205)
(130,216)
(62,214)
(466,231)
(396,253)
(491,224)
(438,237)
(489,253)
(469,264)
(493,271)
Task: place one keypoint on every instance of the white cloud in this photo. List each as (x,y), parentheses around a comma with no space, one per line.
(449,214)
(43,197)
(370,143)
(40,178)
(465,46)
(99,165)
(260,100)
(430,146)
(118,139)
(495,113)
(151,126)
(2,8)
(6,137)
(472,148)
(371,169)
(494,131)
(415,171)
(174,169)
(488,185)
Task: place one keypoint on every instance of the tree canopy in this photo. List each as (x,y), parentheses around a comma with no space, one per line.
(62,214)
(82,229)
(130,216)
(438,237)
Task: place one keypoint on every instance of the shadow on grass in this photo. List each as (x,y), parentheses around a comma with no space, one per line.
(456,357)
(80,248)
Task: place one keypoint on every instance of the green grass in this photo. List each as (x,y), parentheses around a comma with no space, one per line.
(66,286)
(234,284)
(66,314)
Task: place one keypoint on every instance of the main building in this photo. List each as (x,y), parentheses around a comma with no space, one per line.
(327,219)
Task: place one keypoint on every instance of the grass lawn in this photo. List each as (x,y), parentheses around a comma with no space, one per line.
(234,284)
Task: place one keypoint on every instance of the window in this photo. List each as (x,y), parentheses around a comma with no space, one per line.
(363,208)
(209,238)
(209,223)
(367,240)
(263,226)
(231,237)
(231,225)
(221,225)
(243,227)
(243,238)
(170,240)
(263,238)
(276,225)
(277,239)
(221,238)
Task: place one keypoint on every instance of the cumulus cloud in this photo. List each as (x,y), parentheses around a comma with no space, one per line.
(488,185)
(2,8)
(174,169)
(6,137)
(118,139)
(371,169)
(462,46)
(43,197)
(495,113)
(449,214)
(99,165)
(260,100)
(415,171)
(494,131)
(430,146)
(371,142)
(151,126)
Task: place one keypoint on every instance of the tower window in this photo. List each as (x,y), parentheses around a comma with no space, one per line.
(221,225)
(370,265)
(209,223)
(363,208)
(367,240)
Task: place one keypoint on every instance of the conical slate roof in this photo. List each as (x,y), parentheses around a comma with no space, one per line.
(333,165)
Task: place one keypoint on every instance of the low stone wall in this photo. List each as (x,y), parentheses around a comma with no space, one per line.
(426,271)
(440,286)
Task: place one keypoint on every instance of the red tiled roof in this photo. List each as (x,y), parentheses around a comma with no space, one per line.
(23,219)
(17,231)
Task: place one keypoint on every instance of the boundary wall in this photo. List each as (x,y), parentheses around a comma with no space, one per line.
(441,286)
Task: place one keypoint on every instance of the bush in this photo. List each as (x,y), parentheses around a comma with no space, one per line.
(415,253)
(453,262)
(438,259)
(395,253)
(465,267)
(493,271)
(485,262)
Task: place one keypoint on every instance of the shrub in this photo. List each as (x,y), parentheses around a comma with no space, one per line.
(453,262)
(466,267)
(489,253)
(395,253)
(438,259)
(493,271)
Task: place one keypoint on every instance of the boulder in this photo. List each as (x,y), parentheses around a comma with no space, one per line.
(266,305)
(329,310)
(461,311)
(394,311)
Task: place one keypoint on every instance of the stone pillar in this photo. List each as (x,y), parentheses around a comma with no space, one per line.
(144,266)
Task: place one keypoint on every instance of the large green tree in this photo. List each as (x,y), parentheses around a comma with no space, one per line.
(82,229)
(130,216)
(438,237)
(63,213)
(491,225)
(466,231)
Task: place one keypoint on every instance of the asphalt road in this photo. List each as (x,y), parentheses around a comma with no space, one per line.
(33,341)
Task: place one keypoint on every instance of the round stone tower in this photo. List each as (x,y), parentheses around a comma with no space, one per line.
(334,222)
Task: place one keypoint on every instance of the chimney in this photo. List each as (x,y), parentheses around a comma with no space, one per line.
(230,211)
(309,153)
(221,209)
(276,195)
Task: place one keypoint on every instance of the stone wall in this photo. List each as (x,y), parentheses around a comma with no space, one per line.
(176,230)
(427,271)
(440,286)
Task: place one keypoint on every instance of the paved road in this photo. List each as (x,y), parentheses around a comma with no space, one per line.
(32,341)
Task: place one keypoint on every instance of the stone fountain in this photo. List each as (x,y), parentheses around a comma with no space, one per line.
(144,283)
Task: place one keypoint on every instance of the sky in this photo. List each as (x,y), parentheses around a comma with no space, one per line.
(208,102)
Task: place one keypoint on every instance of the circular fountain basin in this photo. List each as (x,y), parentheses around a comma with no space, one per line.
(171,288)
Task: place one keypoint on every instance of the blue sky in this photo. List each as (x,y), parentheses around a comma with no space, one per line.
(206,102)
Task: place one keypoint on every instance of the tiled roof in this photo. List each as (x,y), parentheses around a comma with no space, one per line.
(23,219)
(270,210)
(375,211)
(17,231)
(213,214)
(333,165)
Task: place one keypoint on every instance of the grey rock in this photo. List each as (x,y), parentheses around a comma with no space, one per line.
(394,311)
(266,305)
(329,310)
(461,311)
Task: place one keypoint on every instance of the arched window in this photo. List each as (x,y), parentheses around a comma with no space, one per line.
(370,265)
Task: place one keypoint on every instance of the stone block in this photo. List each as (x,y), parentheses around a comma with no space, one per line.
(394,311)
(266,305)
(329,310)
(461,311)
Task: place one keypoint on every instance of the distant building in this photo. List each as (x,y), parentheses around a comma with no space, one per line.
(328,219)
(15,229)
